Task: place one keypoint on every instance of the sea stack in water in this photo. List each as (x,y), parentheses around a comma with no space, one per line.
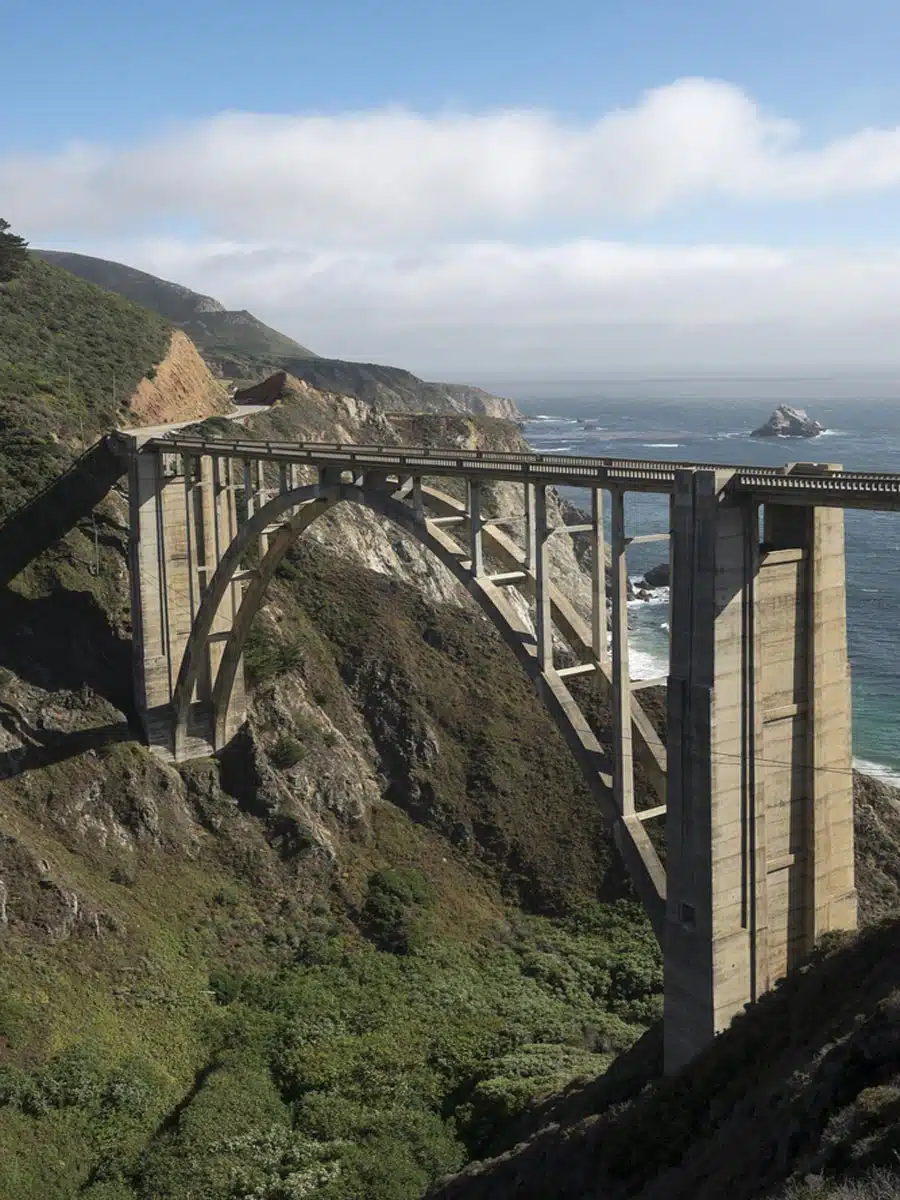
(789,422)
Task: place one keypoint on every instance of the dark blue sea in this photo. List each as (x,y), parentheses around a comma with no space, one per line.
(709,420)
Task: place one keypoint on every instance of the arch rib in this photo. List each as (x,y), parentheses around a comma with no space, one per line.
(629,834)
(192,659)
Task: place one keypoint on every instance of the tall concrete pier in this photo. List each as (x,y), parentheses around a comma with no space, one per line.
(759,830)
(753,774)
(183,516)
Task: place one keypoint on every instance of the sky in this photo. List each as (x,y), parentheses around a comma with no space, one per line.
(487,189)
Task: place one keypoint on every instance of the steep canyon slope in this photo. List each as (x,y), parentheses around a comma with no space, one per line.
(212,978)
(375,938)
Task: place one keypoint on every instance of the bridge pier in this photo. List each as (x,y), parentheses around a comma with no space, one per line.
(183,516)
(760,798)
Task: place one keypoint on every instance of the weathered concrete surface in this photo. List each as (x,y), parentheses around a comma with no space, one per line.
(760,817)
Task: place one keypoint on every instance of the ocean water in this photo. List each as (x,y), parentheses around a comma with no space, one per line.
(709,421)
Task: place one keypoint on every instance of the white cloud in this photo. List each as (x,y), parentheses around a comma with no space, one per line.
(373,177)
(577,306)
(426,240)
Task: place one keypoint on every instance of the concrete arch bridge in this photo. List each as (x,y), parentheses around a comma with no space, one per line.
(754,778)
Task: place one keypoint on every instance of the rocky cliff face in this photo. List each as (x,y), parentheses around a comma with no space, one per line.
(390,389)
(181,389)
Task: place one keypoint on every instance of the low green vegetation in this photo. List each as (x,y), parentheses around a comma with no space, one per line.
(361,1068)
(236,344)
(70,356)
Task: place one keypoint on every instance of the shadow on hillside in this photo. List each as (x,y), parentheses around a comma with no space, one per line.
(42,748)
(805,1080)
(64,640)
(626,1076)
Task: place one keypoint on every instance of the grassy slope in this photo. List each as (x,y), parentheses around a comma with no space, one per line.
(800,1097)
(64,346)
(218,333)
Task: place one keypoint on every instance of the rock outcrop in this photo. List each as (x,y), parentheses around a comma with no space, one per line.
(268,391)
(657,576)
(390,389)
(181,388)
(789,422)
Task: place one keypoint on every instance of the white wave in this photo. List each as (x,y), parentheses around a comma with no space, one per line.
(554,449)
(555,420)
(644,665)
(661,445)
(878,771)
(665,626)
(658,595)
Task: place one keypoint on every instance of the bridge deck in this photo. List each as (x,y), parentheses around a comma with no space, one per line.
(807,484)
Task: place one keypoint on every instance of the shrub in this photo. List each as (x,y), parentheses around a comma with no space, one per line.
(225,986)
(396,897)
(266,658)
(13,253)
(287,752)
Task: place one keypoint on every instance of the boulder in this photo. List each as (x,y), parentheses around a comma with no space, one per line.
(269,391)
(657,576)
(789,422)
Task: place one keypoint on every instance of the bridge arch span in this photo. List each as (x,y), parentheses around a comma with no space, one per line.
(754,777)
(314,501)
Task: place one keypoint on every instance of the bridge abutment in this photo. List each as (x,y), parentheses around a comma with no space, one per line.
(760,799)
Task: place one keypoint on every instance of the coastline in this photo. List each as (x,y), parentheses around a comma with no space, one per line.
(648,629)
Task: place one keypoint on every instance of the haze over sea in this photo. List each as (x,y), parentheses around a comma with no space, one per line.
(709,420)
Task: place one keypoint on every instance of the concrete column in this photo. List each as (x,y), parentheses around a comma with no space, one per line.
(543,612)
(599,642)
(418,501)
(161,585)
(623,763)
(759,836)
(530,534)
(219,526)
(832,877)
(475,522)
(707,944)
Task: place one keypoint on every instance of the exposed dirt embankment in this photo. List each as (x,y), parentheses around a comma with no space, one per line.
(181,389)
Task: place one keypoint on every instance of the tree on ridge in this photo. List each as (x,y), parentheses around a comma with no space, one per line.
(13,253)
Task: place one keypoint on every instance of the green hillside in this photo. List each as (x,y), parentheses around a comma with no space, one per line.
(799,1099)
(385,933)
(237,345)
(222,981)
(71,354)
(234,343)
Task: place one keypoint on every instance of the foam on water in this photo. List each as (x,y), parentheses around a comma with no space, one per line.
(645,665)
(877,771)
